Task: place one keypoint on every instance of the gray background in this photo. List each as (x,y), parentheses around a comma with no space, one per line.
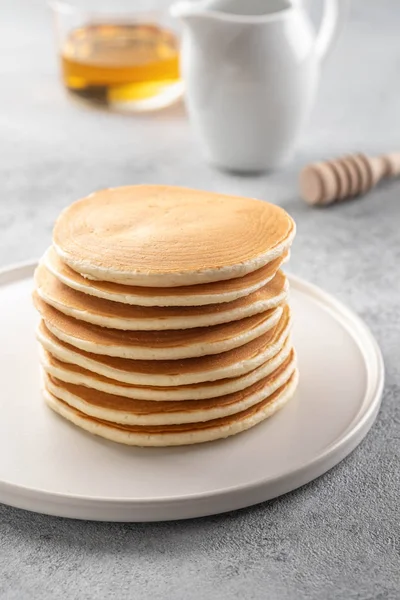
(335,538)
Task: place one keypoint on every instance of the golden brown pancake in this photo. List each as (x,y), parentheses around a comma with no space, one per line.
(155,345)
(77,375)
(182,434)
(162,236)
(126,317)
(174,372)
(128,411)
(193,295)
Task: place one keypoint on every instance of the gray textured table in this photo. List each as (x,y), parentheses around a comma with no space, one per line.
(335,538)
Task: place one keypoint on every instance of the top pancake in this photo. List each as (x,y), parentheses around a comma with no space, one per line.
(161,236)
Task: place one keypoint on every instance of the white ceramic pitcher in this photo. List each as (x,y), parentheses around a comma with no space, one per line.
(251,70)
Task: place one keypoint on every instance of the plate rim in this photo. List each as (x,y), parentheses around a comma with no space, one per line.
(75,505)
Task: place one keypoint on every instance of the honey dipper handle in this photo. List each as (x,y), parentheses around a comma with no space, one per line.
(392,164)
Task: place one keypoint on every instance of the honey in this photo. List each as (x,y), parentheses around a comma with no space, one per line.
(132,66)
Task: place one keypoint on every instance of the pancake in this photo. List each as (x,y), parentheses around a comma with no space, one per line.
(162,236)
(106,313)
(194,295)
(177,435)
(70,373)
(232,363)
(118,409)
(156,345)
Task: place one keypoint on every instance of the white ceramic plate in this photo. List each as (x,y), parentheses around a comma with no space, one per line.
(47,465)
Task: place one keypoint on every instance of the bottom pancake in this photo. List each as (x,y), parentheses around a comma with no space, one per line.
(178,435)
(127,411)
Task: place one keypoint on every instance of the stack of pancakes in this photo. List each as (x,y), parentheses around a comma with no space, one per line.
(164,315)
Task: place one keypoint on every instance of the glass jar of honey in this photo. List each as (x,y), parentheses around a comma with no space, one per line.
(117,57)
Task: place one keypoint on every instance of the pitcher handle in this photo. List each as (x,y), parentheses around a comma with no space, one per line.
(333,18)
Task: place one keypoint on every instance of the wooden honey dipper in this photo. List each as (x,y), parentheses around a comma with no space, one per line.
(323,183)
